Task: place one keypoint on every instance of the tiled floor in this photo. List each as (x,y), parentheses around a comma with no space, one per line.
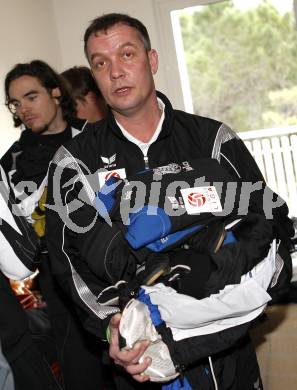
(276,345)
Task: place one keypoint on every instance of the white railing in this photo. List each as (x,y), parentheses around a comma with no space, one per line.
(275,151)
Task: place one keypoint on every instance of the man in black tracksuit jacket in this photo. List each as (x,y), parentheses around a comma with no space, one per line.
(141,131)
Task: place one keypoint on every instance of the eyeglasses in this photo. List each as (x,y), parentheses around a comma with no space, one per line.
(13,107)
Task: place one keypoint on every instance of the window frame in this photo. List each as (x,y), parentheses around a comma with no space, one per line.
(174,68)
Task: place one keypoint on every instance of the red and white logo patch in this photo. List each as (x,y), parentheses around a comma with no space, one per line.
(112,174)
(201,200)
(105,175)
(196,199)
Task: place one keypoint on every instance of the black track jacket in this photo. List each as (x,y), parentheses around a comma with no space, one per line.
(72,220)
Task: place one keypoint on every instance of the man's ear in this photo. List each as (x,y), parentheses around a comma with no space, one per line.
(56,94)
(154,60)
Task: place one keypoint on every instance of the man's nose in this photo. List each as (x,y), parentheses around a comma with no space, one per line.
(24,107)
(116,70)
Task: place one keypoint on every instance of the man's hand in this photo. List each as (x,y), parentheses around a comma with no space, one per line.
(128,359)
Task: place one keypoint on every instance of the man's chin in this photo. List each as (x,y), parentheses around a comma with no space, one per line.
(38,130)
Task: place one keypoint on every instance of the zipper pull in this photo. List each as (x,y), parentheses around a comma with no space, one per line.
(146,164)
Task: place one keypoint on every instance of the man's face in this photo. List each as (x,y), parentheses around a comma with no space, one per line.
(36,107)
(90,107)
(123,69)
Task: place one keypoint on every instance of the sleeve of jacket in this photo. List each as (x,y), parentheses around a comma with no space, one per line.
(232,154)
(71,221)
(17,239)
(7,160)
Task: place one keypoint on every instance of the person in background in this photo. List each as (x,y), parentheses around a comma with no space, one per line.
(89,102)
(38,100)
(30,367)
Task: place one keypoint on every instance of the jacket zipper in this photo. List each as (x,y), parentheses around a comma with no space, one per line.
(146,163)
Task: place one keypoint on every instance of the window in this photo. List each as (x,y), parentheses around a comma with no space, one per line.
(241,60)
(237,63)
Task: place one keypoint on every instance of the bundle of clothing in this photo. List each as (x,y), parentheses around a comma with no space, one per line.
(188,253)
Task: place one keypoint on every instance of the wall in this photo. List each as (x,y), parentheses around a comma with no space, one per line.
(275,340)
(53,30)
(27,31)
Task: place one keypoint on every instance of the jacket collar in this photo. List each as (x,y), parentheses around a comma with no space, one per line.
(166,128)
(77,125)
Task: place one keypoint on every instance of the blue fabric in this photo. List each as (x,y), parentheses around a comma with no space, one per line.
(154,311)
(230,238)
(147,225)
(170,239)
(105,198)
(178,384)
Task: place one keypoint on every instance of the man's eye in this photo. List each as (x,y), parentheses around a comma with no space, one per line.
(128,55)
(99,64)
(32,97)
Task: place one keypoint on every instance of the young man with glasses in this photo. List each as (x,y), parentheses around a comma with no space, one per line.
(40,103)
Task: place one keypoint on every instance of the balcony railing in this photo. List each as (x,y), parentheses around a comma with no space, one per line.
(275,151)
